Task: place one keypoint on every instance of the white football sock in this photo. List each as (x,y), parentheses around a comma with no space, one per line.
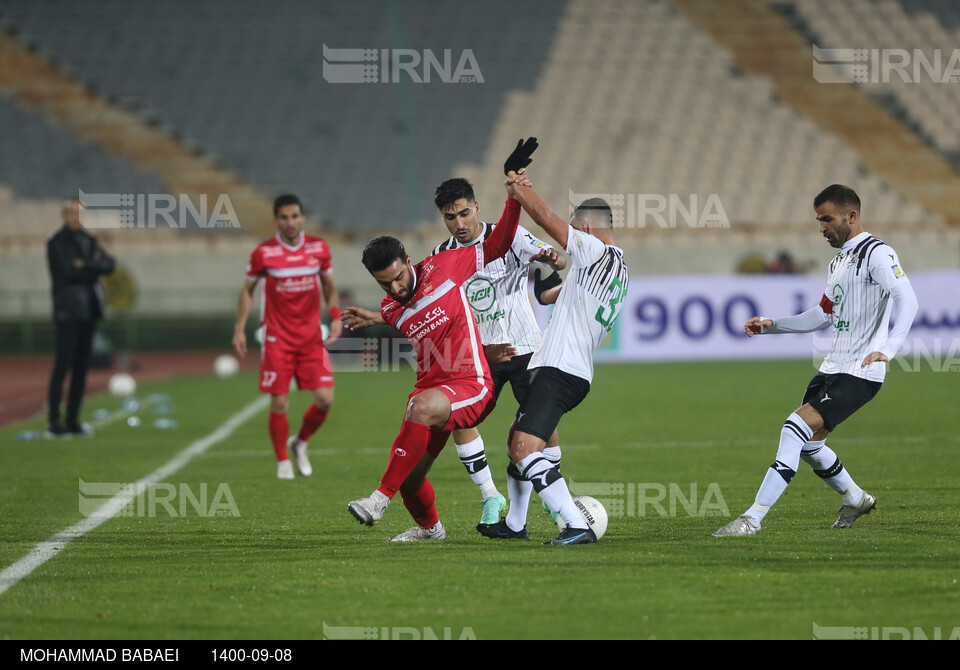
(520,491)
(826,465)
(793,436)
(474,459)
(552,489)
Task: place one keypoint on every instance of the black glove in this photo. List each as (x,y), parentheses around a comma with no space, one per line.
(520,158)
(542,285)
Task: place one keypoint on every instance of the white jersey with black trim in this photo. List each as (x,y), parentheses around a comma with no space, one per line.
(588,305)
(857,297)
(498,293)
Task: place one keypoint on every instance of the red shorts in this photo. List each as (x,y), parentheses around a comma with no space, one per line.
(470,403)
(280,362)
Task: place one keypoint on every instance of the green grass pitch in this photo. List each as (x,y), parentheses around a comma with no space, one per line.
(293,563)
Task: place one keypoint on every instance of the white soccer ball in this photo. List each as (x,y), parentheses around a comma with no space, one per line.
(122,385)
(226,366)
(594,513)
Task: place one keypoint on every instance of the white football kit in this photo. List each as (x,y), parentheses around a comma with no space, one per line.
(589,303)
(856,301)
(498,293)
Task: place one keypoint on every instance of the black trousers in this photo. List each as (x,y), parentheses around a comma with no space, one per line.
(74,343)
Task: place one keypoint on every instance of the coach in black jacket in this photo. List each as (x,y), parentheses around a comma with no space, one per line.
(76,263)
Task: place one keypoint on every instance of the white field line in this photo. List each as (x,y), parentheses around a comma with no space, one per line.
(44,551)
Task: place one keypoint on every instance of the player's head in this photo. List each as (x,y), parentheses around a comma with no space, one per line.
(388,262)
(288,215)
(838,211)
(459,209)
(594,217)
(72,212)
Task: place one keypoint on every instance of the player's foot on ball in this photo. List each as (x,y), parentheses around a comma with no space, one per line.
(547,510)
(299,450)
(415,534)
(494,509)
(285,469)
(742,525)
(501,531)
(574,536)
(370,510)
(850,513)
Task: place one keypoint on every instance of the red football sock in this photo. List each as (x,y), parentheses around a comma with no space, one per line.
(421,505)
(408,448)
(313,418)
(279,432)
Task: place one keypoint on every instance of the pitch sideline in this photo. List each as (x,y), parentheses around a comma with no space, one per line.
(44,551)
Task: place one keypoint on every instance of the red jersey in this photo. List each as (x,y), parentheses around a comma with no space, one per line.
(290,310)
(438,319)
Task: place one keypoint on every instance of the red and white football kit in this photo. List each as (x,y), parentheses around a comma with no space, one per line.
(290,313)
(438,320)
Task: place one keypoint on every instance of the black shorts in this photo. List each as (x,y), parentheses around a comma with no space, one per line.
(552,394)
(513,371)
(836,397)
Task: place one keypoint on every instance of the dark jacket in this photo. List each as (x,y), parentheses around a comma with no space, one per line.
(77,292)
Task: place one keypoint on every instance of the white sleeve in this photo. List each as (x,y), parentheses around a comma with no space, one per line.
(885,270)
(907,307)
(584,249)
(809,321)
(526,246)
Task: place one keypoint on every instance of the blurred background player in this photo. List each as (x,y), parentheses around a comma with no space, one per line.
(297,268)
(76,262)
(508,328)
(861,280)
(587,305)
(454,389)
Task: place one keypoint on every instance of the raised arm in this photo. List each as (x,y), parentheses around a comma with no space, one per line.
(498,244)
(537,209)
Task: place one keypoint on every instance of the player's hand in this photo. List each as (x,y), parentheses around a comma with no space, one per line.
(551,257)
(543,284)
(499,353)
(515,179)
(874,357)
(754,324)
(520,158)
(336,330)
(240,343)
(357,317)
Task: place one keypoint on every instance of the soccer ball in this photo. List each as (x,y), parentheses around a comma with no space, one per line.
(593,512)
(225,366)
(122,385)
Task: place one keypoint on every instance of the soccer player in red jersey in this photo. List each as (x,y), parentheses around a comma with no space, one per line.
(296,268)
(454,388)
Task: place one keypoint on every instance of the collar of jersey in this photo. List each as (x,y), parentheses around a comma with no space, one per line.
(303,239)
(854,241)
(475,242)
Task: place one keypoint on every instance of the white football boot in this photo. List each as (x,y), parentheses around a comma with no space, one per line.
(850,513)
(415,534)
(284,469)
(369,511)
(742,525)
(299,450)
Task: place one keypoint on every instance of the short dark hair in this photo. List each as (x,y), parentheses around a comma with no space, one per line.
(284,200)
(380,253)
(842,196)
(592,207)
(452,190)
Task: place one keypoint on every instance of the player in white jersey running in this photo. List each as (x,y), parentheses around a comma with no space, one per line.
(508,328)
(587,305)
(861,281)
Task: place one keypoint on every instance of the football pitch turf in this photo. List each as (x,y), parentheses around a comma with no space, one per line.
(675,451)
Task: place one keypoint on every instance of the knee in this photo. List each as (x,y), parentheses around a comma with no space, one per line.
(279,404)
